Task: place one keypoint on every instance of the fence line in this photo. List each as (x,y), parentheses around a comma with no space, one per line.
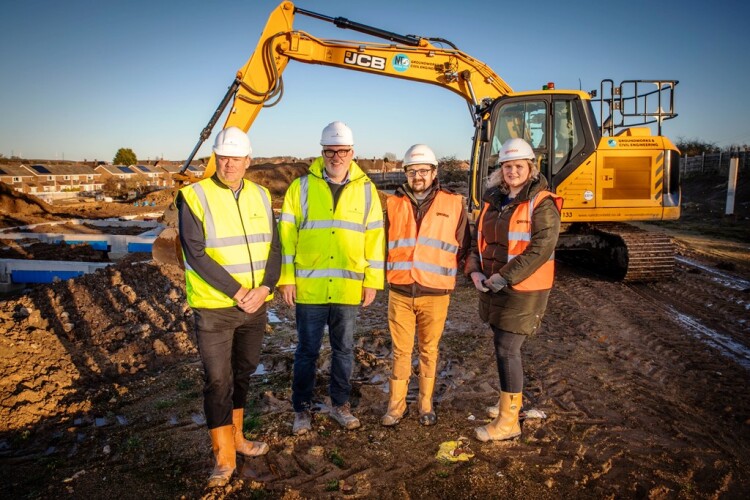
(716,163)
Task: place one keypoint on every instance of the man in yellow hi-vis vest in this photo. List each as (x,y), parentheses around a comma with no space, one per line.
(232,260)
(332,246)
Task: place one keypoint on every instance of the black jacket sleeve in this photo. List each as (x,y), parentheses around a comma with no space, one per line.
(194,245)
(273,265)
(463,236)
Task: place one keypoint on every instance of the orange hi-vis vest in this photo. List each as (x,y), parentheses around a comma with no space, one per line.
(427,257)
(519,237)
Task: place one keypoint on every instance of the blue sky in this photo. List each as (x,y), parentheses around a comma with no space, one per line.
(81,79)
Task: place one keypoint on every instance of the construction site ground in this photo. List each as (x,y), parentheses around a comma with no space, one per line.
(631,390)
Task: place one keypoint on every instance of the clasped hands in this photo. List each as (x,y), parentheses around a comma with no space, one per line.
(251,300)
(494,283)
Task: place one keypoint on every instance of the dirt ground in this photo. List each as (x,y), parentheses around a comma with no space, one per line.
(631,390)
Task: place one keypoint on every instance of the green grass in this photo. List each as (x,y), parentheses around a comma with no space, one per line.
(336,458)
(332,485)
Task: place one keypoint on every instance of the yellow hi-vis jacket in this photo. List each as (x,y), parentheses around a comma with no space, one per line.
(427,257)
(238,237)
(330,255)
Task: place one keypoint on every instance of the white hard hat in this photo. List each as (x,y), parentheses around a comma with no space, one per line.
(515,149)
(232,141)
(419,154)
(337,134)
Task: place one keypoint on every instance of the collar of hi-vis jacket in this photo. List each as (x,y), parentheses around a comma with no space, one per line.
(318,165)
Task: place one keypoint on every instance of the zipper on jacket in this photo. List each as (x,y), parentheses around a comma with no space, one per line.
(244,232)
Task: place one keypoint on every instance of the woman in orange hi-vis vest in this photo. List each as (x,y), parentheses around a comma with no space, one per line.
(517,231)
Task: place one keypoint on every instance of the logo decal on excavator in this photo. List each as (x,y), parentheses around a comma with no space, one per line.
(611,143)
(364,60)
(401,62)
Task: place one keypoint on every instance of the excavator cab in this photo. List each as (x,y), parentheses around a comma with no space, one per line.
(553,124)
(629,174)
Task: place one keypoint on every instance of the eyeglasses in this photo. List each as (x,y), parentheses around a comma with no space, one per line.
(421,172)
(330,153)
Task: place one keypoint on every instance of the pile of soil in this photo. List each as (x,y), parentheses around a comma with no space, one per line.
(18,208)
(33,249)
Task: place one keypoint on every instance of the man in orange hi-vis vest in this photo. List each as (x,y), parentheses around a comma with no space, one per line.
(428,235)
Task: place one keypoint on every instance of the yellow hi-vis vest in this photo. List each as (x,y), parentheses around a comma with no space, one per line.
(238,237)
(519,237)
(427,257)
(330,255)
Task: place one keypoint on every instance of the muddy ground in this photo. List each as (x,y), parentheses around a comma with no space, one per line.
(644,390)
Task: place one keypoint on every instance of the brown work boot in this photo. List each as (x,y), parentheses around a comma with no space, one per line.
(343,415)
(426,413)
(242,445)
(506,425)
(222,442)
(397,407)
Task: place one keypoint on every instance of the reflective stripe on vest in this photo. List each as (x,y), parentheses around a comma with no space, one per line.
(429,257)
(519,237)
(239,243)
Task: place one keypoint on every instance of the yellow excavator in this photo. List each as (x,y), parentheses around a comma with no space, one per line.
(608,173)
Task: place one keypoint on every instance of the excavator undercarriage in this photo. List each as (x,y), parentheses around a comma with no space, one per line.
(622,251)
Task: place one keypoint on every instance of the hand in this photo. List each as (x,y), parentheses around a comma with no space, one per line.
(368,295)
(289,293)
(495,283)
(253,299)
(478,279)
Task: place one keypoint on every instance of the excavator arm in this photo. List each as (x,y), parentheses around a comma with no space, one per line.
(259,83)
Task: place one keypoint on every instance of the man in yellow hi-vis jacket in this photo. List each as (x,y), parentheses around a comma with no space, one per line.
(232,260)
(333,252)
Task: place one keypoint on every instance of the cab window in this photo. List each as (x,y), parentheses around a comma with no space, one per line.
(568,134)
(526,120)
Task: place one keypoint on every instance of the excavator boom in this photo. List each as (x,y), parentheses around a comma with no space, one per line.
(259,82)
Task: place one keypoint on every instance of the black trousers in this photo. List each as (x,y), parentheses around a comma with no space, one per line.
(508,357)
(229,342)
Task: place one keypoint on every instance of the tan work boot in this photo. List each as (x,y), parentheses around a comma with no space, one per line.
(222,441)
(343,415)
(242,445)
(397,407)
(426,414)
(506,425)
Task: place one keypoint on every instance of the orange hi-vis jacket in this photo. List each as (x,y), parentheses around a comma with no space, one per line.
(427,256)
(519,237)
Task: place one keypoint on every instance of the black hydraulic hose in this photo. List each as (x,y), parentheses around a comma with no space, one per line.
(206,132)
(343,23)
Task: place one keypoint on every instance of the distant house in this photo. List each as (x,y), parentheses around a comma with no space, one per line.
(171,168)
(17,177)
(117,171)
(62,178)
(153,174)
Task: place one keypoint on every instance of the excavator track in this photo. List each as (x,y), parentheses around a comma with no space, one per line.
(626,252)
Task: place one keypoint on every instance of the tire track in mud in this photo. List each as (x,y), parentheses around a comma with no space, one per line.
(624,373)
